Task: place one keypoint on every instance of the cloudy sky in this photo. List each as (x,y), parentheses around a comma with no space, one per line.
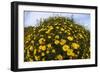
(31,18)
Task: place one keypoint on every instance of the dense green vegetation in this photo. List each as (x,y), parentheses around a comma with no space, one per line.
(56,38)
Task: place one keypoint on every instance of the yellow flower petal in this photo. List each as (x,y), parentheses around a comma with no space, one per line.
(59,57)
(41,41)
(62,29)
(32,42)
(47,52)
(57,37)
(56,42)
(37,58)
(31,48)
(57,27)
(35,51)
(49,45)
(75,45)
(42,54)
(70,38)
(62,42)
(48,31)
(49,37)
(53,51)
(65,47)
(70,53)
(42,47)
(50,27)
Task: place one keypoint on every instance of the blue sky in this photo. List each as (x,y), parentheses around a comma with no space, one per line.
(31,18)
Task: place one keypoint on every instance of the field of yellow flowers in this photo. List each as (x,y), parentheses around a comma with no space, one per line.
(56,38)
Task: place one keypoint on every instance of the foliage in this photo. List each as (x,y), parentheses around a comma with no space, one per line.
(56,38)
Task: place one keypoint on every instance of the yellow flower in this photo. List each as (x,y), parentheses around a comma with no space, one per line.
(56,23)
(64,22)
(50,27)
(81,36)
(42,54)
(29,36)
(37,58)
(31,48)
(53,51)
(65,47)
(57,27)
(56,42)
(60,32)
(47,52)
(68,33)
(62,42)
(59,57)
(26,42)
(42,47)
(41,41)
(75,45)
(62,29)
(70,53)
(35,51)
(70,38)
(41,30)
(48,31)
(71,25)
(49,45)
(57,37)
(65,31)
(49,37)
(32,42)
